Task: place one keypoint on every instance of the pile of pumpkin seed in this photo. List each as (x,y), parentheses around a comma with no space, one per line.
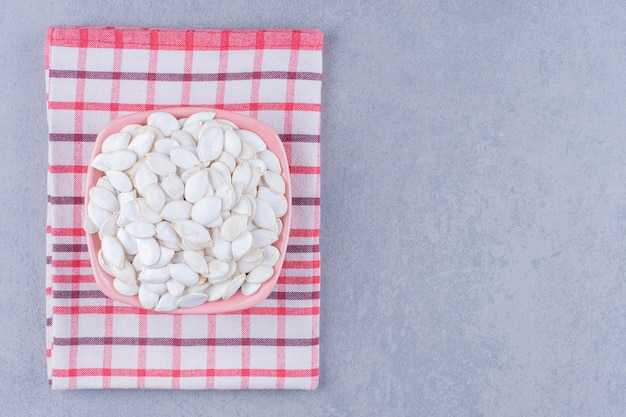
(187,210)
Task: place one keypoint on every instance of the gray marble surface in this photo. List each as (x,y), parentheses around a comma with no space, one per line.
(473,204)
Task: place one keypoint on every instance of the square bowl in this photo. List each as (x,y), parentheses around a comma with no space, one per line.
(238,301)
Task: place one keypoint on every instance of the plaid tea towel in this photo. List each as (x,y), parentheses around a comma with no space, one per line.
(96,74)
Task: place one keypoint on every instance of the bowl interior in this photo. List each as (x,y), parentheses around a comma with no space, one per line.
(238,301)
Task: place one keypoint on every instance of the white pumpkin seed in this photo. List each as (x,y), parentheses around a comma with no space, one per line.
(271,161)
(123,198)
(247,153)
(126,274)
(243,207)
(196,262)
(165,257)
(193,129)
(218,271)
(166,303)
(173,186)
(222,248)
(132,129)
(122,221)
(258,168)
(192,300)
(206,210)
(141,229)
(120,160)
(187,245)
(163,121)
(137,264)
(115,142)
(155,275)
(234,286)
(198,288)
(223,170)
(147,298)
(185,174)
(125,289)
(215,178)
(264,216)
(216,291)
(238,188)
(178,257)
(184,274)
(191,231)
(105,183)
(252,139)
(176,209)
(171,245)
(159,288)
(184,138)
(242,245)
(144,177)
(184,158)
(242,174)
(155,197)
(209,124)
(263,237)
(129,242)
(255,178)
(247,266)
(249,288)
(146,213)
(142,143)
(226,193)
(234,227)
(201,116)
(130,210)
(89,226)
(166,232)
(107,268)
(270,256)
(216,223)
(260,274)
(104,198)
(99,161)
(120,181)
(275,182)
(210,144)
(227,124)
(148,250)
(175,288)
(113,251)
(276,201)
(197,186)
(108,227)
(228,160)
(232,143)
(165,145)
(253,255)
(154,130)
(160,164)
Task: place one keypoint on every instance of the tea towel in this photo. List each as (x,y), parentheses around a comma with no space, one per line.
(96,74)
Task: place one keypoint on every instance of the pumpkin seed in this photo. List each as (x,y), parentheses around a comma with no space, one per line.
(141,144)
(163,121)
(191,300)
(116,142)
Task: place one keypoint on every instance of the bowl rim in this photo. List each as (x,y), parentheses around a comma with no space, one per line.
(238,301)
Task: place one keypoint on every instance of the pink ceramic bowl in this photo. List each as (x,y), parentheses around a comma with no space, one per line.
(238,301)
